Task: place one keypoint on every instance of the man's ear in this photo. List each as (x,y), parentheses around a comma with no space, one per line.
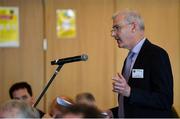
(133,26)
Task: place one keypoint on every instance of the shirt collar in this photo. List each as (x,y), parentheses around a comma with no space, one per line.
(138,46)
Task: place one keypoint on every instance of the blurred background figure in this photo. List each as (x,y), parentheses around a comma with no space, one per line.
(17,109)
(23,91)
(89,99)
(59,106)
(83,111)
(85,98)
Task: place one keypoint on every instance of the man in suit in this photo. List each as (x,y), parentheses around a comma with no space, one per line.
(146,88)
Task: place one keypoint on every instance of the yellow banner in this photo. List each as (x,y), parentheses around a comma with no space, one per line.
(66,27)
(9,27)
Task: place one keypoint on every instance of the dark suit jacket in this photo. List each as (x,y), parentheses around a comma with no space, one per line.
(151,96)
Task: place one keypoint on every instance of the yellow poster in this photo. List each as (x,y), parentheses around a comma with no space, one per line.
(9,27)
(66,27)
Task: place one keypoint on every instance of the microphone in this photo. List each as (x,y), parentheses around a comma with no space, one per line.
(82,57)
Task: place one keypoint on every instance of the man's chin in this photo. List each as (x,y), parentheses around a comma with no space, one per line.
(120,46)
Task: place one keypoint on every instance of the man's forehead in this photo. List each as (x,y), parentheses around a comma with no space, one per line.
(21,91)
(118,19)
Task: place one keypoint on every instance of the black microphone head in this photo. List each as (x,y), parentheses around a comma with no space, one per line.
(84,57)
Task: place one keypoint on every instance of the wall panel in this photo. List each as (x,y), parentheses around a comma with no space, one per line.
(93,38)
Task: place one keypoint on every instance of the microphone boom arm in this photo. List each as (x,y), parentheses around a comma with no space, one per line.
(47,85)
(60,63)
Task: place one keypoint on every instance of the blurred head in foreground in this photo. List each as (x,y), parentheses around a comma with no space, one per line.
(17,109)
(83,111)
(59,106)
(86,98)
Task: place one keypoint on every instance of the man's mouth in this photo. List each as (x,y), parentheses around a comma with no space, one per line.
(117,38)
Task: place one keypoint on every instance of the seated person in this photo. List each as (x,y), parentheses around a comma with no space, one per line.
(17,109)
(23,91)
(59,106)
(85,98)
(88,99)
(83,111)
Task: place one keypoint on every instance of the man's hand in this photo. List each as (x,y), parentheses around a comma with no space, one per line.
(120,85)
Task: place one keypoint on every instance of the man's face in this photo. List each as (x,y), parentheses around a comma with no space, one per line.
(22,94)
(121,32)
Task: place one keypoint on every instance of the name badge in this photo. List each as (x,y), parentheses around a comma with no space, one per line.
(137,73)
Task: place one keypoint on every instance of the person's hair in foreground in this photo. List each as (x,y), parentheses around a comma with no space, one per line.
(17,109)
(83,111)
(85,98)
(59,106)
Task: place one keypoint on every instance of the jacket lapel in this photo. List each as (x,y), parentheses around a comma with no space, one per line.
(139,58)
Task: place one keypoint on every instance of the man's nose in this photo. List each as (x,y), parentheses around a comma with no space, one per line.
(112,33)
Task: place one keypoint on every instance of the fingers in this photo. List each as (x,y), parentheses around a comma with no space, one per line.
(120,85)
(118,88)
(119,75)
(119,78)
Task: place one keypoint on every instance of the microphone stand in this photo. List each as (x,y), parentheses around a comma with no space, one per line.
(48,84)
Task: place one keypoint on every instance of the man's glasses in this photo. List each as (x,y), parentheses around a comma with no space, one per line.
(117,28)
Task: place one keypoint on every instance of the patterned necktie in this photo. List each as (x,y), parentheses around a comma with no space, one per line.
(126,74)
(128,65)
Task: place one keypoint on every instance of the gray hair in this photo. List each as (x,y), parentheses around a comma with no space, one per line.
(17,109)
(130,17)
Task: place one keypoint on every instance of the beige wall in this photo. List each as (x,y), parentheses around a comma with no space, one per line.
(93,38)
(38,20)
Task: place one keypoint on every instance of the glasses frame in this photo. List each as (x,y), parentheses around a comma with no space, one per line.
(118,27)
